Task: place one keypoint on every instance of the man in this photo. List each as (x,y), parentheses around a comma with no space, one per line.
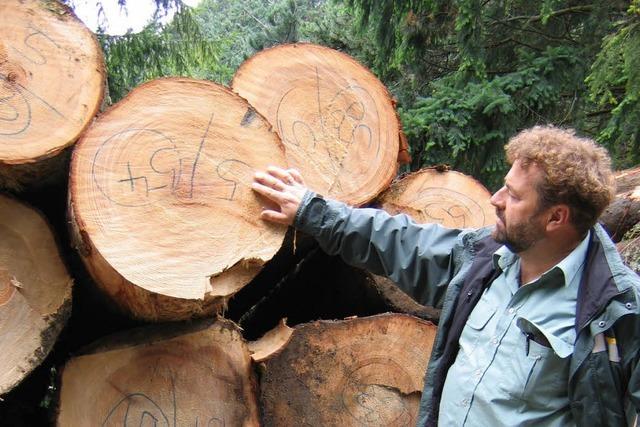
(540,321)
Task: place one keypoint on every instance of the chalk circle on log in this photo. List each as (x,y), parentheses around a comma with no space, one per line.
(35,291)
(161,206)
(336,119)
(364,371)
(163,375)
(51,85)
(449,198)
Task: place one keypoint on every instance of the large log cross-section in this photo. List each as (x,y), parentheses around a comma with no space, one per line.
(161,205)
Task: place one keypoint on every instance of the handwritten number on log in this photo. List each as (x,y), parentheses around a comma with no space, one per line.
(15,110)
(32,53)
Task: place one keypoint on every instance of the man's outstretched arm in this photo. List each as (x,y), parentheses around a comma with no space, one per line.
(419,258)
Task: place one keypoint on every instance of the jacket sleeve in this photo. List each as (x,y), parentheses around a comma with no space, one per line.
(419,258)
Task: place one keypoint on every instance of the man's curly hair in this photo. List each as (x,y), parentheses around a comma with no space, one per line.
(576,171)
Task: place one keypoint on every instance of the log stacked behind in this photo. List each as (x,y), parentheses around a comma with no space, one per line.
(171,375)
(366,371)
(51,85)
(334,116)
(448,198)
(35,291)
(624,211)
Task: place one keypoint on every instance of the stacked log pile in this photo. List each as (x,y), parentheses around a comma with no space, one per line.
(176,278)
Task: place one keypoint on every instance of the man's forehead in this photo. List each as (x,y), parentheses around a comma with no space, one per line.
(525,172)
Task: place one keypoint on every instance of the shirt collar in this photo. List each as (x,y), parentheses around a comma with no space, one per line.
(574,262)
(570,266)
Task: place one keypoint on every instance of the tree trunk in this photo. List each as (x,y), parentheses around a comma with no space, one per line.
(441,196)
(366,371)
(622,214)
(161,206)
(186,375)
(35,291)
(51,85)
(334,116)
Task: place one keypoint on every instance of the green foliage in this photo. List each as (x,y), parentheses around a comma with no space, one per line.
(475,72)
(614,87)
(466,126)
(175,49)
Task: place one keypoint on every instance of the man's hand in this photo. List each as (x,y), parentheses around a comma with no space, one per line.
(285,188)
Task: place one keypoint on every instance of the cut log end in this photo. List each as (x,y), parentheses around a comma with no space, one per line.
(445,197)
(43,42)
(334,116)
(192,376)
(365,371)
(161,199)
(35,291)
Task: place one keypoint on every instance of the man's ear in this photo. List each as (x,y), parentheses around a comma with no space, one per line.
(559,216)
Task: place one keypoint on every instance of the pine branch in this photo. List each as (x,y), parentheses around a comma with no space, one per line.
(554,14)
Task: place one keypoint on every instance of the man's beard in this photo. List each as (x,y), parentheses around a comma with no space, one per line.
(519,236)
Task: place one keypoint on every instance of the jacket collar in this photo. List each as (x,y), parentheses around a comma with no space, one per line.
(597,287)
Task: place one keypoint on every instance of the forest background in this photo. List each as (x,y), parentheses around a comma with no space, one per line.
(467,74)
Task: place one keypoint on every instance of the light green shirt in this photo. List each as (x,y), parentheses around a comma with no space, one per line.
(513,363)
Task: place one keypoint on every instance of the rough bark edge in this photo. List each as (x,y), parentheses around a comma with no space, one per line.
(48,337)
(55,321)
(271,343)
(324,324)
(129,298)
(150,333)
(622,214)
(400,302)
(394,168)
(629,248)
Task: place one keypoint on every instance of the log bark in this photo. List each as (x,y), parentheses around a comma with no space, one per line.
(334,116)
(629,248)
(630,253)
(399,302)
(441,196)
(161,207)
(51,85)
(167,376)
(35,291)
(627,180)
(622,214)
(365,371)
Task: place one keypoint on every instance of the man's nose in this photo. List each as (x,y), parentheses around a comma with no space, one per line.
(498,197)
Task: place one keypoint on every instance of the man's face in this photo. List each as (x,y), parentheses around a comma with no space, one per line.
(520,224)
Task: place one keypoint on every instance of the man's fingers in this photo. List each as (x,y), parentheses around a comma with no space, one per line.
(281,174)
(269,181)
(296,176)
(268,192)
(275,216)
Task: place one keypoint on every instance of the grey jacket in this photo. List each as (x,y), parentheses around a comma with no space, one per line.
(449,268)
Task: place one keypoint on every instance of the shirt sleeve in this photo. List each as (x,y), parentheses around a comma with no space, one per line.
(419,258)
